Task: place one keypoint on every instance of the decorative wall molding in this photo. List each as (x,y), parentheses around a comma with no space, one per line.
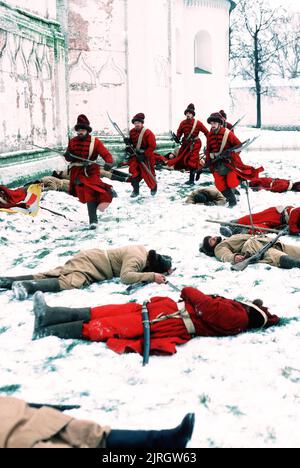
(81,75)
(220,4)
(111,74)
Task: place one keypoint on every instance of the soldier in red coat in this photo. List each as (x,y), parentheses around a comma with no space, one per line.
(276,217)
(274,185)
(225,123)
(230,171)
(85,182)
(171,323)
(142,162)
(188,155)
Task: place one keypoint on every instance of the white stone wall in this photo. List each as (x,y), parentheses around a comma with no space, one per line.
(97,62)
(32,81)
(132,56)
(125,56)
(280,108)
(209,92)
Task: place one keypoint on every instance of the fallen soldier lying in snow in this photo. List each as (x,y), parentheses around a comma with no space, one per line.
(276,217)
(274,185)
(238,247)
(132,264)
(60,180)
(171,323)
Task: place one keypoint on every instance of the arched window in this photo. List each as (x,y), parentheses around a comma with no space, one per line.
(203,52)
(178,49)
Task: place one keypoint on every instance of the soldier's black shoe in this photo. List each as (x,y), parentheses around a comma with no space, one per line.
(153,191)
(92,212)
(176,438)
(230,197)
(198,174)
(288,262)
(191,180)
(22,289)
(226,231)
(45,315)
(136,188)
(69,330)
(6,281)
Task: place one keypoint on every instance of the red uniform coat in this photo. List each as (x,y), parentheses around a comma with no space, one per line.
(188,156)
(237,169)
(274,185)
(12,197)
(85,183)
(137,169)
(122,329)
(293,219)
(275,217)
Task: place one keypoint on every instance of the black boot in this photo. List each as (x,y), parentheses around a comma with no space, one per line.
(136,188)
(228,231)
(191,180)
(45,315)
(198,174)
(230,197)
(7,281)
(168,439)
(22,289)
(92,212)
(61,330)
(288,262)
(153,191)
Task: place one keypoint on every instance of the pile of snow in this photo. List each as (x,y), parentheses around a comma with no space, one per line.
(244,390)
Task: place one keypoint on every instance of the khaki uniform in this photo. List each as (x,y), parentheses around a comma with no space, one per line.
(90,266)
(63,184)
(213,194)
(25,427)
(241,244)
(52,183)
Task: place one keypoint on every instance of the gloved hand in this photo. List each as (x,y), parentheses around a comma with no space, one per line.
(159,165)
(209,203)
(140,156)
(68,156)
(127,141)
(108,166)
(129,150)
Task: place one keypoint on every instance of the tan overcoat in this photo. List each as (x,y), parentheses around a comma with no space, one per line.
(241,244)
(24,427)
(90,266)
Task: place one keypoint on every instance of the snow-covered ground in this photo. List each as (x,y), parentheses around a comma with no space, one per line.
(244,390)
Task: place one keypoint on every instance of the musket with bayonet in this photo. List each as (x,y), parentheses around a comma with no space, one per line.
(86,161)
(240,266)
(246,226)
(237,122)
(132,148)
(235,149)
(175,138)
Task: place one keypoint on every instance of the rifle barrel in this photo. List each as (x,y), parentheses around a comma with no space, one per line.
(257,228)
(240,266)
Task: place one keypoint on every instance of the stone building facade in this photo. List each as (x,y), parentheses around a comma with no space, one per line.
(59,58)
